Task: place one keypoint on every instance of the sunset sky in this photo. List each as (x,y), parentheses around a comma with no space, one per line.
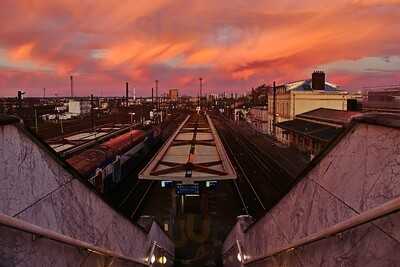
(233,44)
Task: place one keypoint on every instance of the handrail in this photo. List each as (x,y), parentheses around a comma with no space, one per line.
(165,250)
(24,226)
(363,218)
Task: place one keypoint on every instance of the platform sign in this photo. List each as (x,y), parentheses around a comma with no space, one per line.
(187,189)
(167,184)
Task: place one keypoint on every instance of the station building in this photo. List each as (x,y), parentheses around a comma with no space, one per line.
(302,96)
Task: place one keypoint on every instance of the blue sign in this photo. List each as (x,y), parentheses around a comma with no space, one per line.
(187,189)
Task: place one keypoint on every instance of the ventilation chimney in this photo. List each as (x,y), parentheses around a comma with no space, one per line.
(318,80)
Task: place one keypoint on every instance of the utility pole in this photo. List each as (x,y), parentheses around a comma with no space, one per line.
(44,92)
(157,100)
(201,91)
(152,96)
(274,111)
(127,94)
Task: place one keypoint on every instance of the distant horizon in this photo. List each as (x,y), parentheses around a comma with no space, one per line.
(232,45)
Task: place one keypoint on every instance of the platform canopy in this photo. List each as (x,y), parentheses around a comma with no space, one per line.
(193,153)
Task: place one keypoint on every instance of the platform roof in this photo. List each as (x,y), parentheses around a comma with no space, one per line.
(71,143)
(193,153)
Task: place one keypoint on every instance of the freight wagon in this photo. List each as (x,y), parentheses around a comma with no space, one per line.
(102,164)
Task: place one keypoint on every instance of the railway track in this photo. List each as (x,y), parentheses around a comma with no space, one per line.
(289,161)
(261,182)
(249,197)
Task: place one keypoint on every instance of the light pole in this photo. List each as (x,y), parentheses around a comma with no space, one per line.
(132,114)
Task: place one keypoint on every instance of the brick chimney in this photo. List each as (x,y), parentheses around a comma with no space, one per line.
(318,80)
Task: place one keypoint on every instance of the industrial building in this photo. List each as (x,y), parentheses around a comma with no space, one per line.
(173,95)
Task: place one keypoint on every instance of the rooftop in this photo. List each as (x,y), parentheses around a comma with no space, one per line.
(315,130)
(329,115)
(306,85)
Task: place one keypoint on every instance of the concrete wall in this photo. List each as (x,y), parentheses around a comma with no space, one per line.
(35,187)
(361,172)
(306,101)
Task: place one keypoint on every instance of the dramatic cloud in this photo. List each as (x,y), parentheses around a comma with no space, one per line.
(232,44)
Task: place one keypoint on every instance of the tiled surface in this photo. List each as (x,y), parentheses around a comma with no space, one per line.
(24,179)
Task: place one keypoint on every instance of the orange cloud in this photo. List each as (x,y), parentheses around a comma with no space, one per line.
(232,44)
(21,52)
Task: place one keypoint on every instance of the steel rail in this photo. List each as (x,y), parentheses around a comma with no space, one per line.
(27,227)
(272,159)
(142,199)
(129,194)
(241,197)
(386,209)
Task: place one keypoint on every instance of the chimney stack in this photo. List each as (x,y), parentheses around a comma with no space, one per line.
(318,80)
(72,85)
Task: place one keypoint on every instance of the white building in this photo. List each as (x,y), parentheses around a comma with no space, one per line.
(79,107)
(258,117)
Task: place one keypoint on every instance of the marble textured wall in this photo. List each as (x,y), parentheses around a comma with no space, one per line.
(360,173)
(34,187)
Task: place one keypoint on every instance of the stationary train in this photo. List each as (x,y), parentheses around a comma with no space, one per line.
(103,163)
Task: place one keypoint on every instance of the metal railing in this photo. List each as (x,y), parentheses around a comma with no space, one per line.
(355,221)
(24,226)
